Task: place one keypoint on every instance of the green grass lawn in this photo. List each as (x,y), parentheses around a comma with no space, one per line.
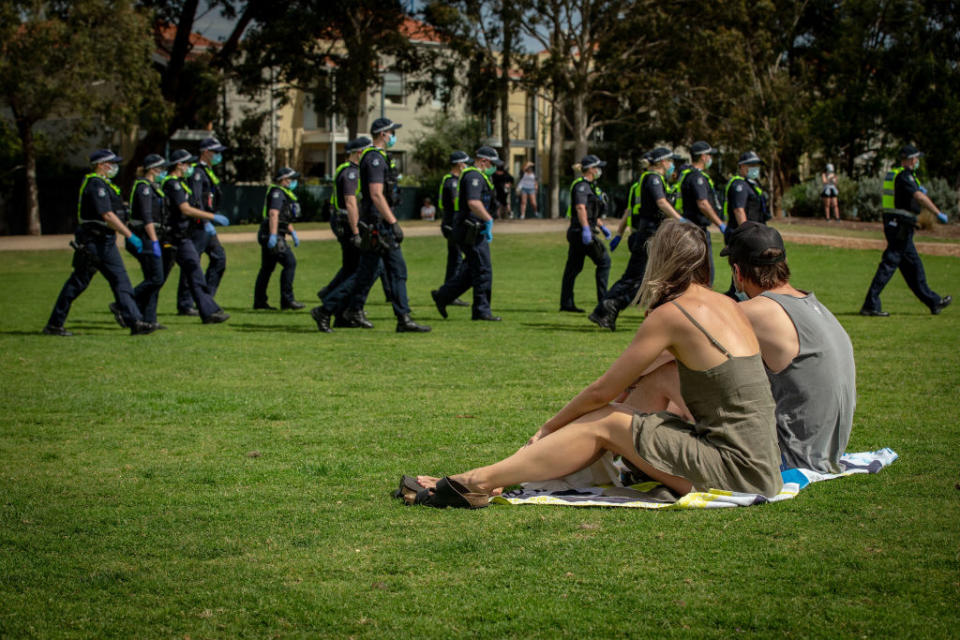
(233,480)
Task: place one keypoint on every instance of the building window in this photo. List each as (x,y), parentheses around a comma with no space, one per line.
(309,114)
(393,88)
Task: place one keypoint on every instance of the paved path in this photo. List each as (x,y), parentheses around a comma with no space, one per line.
(414,229)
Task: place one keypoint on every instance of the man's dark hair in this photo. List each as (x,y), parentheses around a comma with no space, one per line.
(766,276)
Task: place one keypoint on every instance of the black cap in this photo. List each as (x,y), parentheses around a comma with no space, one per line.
(153,161)
(589,161)
(181,156)
(750,157)
(104,155)
(910,151)
(489,153)
(383,124)
(748,242)
(701,147)
(358,143)
(659,154)
(284,173)
(211,144)
(459,156)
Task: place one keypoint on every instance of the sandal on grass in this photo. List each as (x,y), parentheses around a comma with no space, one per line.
(408,490)
(448,493)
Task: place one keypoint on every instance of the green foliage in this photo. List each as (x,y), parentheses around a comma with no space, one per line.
(247,143)
(444,134)
(803,200)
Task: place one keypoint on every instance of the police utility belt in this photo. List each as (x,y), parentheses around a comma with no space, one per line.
(338,224)
(372,238)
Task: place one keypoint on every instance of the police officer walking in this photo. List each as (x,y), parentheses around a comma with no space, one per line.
(447,201)
(381,236)
(587,204)
(101,213)
(744,200)
(473,231)
(205,183)
(149,223)
(697,200)
(903,198)
(183,206)
(647,204)
(280,209)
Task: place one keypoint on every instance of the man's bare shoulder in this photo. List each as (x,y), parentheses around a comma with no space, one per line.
(760,307)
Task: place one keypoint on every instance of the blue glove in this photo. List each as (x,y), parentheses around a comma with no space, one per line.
(208,227)
(221,220)
(272,242)
(942,217)
(136,243)
(615,242)
(155,247)
(296,240)
(488,230)
(723,227)
(606,232)
(586,235)
(922,189)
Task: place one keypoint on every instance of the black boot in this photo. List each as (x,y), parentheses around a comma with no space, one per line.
(405,324)
(322,319)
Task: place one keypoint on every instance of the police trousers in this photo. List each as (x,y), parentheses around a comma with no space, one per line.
(900,254)
(622,293)
(577,252)
(386,262)
(218,264)
(155,271)
(98,252)
(454,256)
(475,272)
(281,254)
(188,258)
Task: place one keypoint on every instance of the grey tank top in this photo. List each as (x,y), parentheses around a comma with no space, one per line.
(816,393)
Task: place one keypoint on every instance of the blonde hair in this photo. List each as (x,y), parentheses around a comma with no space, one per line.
(577,167)
(678,258)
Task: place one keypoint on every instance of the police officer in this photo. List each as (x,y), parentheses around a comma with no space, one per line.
(149,223)
(903,198)
(447,201)
(697,200)
(101,213)
(344,215)
(205,183)
(587,204)
(184,209)
(473,231)
(647,204)
(380,233)
(280,209)
(744,200)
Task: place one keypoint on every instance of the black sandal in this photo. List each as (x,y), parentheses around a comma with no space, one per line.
(448,493)
(408,490)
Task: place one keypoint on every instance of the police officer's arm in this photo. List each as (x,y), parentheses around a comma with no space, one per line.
(582,216)
(273,220)
(740,214)
(145,203)
(380,202)
(707,210)
(477,209)
(353,213)
(116,224)
(925,202)
(191,211)
(664,205)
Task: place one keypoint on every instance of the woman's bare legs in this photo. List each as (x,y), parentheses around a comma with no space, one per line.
(835,205)
(659,390)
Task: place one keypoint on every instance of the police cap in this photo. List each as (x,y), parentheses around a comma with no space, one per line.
(459,156)
(750,240)
(383,124)
(358,143)
(211,144)
(489,153)
(589,161)
(181,156)
(104,155)
(910,151)
(284,173)
(750,157)
(153,161)
(659,154)
(701,147)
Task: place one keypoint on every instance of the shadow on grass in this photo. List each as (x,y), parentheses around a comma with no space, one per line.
(551,326)
(306,328)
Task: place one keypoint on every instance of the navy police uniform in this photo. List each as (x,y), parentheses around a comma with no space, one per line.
(584,192)
(346,181)
(147,207)
(285,202)
(447,200)
(742,193)
(96,250)
(696,185)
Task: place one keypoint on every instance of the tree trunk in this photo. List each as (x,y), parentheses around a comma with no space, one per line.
(25,129)
(504,89)
(579,127)
(556,144)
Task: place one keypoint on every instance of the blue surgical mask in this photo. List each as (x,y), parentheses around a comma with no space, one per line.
(112,171)
(599,173)
(753,173)
(669,171)
(216,159)
(708,163)
(489,171)
(392,140)
(188,172)
(293,185)
(159,175)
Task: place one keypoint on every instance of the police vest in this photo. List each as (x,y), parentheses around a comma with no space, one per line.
(594,204)
(159,213)
(215,184)
(486,198)
(389,177)
(335,194)
(176,216)
(683,176)
(635,202)
(114,200)
(289,210)
(755,209)
(889,201)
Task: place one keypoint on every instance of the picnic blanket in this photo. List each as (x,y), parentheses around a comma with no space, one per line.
(653,495)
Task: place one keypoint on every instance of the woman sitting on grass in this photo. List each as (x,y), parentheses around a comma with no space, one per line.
(728,438)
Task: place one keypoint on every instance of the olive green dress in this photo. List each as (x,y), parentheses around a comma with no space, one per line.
(732,443)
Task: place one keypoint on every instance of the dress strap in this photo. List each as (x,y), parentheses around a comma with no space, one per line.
(712,340)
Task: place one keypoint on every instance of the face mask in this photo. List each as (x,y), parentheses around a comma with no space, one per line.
(598,173)
(753,173)
(216,159)
(293,185)
(392,140)
(159,175)
(708,163)
(112,170)
(489,171)
(188,172)
(669,171)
